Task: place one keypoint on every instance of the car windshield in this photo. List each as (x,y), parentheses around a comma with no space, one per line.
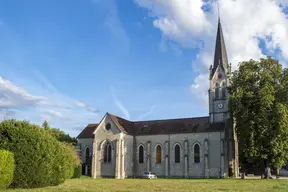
(148,173)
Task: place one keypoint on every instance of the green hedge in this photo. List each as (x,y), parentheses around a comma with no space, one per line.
(77,171)
(6,168)
(40,159)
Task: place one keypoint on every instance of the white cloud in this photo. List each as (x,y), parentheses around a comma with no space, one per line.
(86,107)
(80,104)
(244,23)
(178,19)
(57,114)
(119,104)
(200,87)
(21,103)
(12,96)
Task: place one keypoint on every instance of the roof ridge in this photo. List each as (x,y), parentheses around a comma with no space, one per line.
(118,117)
(158,119)
(171,119)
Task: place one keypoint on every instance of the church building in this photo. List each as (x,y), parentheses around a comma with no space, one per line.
(196,147)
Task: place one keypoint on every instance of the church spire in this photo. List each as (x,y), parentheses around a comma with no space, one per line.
(220,57)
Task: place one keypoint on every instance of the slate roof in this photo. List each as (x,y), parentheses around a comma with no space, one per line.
(175,126)
(157,127)
(87,132)
(124,125)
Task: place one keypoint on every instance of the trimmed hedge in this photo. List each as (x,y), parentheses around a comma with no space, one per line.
(6,168)
(40,159)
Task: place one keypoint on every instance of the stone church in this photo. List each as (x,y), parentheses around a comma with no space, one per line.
(196,147)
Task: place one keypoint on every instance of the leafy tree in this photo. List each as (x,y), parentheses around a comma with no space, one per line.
(259,105)
(59,135)
(62,136)
(45,125)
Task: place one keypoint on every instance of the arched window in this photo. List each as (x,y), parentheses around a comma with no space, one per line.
(177,153)
(217,91)
(141,154)
(158,154)
(196,153)
(87,154)
(107,153)
(223,90)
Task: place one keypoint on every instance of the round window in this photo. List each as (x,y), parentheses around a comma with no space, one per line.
(108,126)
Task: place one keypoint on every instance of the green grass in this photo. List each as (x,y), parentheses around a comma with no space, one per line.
(173,185)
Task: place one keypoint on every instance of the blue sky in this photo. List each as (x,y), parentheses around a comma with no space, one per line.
(70,62)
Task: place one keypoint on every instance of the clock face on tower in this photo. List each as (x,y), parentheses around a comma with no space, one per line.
(220,105)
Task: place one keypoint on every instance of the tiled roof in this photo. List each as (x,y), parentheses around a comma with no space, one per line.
(157,127)
(124,125)
(87,132)
(174,126)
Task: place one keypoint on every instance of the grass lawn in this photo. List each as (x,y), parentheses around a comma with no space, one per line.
(175,185)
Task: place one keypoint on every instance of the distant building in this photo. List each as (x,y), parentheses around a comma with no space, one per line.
(189,147)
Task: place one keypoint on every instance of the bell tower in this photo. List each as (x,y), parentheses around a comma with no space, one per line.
(220,72)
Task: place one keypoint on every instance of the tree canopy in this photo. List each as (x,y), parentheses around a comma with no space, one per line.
(258,104)
(59,135)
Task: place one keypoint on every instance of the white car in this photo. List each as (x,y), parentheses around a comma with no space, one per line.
(149,175)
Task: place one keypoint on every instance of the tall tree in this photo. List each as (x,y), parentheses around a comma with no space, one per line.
(59,135)
(45,125)
(259,105)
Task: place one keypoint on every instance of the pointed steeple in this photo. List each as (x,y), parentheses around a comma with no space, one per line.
(220,57)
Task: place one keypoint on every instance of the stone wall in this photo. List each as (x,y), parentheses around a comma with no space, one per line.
(168,167)
(82,145)
(128,155)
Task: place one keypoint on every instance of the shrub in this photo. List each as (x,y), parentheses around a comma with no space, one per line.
(76,161)
(6,168)
(40,159)
(77,171)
